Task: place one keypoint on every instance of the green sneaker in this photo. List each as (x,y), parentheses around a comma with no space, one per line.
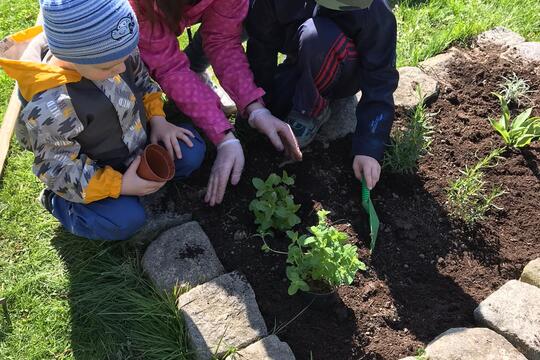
(304,127)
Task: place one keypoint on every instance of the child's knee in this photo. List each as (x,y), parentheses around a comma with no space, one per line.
(317,35)
(192,157)
(124,224)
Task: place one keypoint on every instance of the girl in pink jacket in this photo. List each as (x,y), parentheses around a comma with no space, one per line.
(161,22)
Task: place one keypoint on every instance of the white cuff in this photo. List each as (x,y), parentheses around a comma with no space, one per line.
(227,142)
(257,112)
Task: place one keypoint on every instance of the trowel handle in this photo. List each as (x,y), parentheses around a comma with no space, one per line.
(365,192)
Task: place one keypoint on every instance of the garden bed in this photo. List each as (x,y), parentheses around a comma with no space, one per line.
(428,272)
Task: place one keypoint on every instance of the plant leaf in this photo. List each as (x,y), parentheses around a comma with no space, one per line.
(258,184)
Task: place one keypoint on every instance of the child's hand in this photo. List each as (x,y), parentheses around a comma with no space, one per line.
(134,185)
(366,167)
(169,134)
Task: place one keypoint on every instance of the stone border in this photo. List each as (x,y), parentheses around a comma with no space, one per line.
(220,309)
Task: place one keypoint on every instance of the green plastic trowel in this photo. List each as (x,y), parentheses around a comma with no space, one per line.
(374,223)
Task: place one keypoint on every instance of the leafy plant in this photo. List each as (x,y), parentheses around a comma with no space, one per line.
(421,354)
(274,207)
(324,256)
(514,89)
(468,197)
(517,132)
(409,145)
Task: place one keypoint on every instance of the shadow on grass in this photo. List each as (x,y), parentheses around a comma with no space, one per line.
(115,313)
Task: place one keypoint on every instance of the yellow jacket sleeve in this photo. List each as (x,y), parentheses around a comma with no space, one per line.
(105,183)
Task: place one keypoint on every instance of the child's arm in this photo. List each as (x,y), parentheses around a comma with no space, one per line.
(52,128)
(375,34)
(376,44)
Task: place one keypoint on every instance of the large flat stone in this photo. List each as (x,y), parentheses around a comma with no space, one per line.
(155,225)
(437,66)
(514,312)
(269,348)
(471,344)
(531,273)
(181,256)
(499,37)
(342,121)
(527,51)
(221,314)
(409,78)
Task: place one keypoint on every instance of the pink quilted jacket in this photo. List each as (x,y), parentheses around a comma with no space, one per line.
(221,30)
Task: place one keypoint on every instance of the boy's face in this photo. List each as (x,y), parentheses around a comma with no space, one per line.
(101,72)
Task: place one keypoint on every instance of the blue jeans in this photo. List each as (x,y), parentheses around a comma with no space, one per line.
(119,219)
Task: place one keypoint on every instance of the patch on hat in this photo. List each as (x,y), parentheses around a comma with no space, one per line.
(124,28)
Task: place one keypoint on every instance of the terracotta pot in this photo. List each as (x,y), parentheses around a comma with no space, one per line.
(156,164)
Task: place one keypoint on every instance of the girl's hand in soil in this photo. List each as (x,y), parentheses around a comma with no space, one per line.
(169,134)
(366,167)
(229,163)
(134,185)
(279,132)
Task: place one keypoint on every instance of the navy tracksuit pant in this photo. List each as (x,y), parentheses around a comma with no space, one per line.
(325,67)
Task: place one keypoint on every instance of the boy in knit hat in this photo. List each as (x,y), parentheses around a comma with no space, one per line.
(88,108)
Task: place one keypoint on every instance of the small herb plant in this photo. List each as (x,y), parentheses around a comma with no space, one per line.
(324,256)
(274,206)
(514,89)
(468,197)
(517,132)
(409,145)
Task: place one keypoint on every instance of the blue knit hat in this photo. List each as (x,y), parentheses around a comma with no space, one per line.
(90,32)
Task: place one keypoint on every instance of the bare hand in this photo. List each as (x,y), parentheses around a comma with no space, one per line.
(134,185)
(279,132)
(229,163)
(368,169)
(169,134)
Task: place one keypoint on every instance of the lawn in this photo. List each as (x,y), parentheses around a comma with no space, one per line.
(72,298)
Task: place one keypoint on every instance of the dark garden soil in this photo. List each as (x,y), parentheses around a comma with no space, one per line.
(428,272)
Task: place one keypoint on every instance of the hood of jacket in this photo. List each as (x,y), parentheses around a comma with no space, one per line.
(21,59)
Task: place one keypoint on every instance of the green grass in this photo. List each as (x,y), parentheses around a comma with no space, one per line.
(72,298)
(69,297)
(428,27)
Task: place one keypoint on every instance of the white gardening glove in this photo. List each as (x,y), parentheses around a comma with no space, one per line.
(229,163)
(279,132)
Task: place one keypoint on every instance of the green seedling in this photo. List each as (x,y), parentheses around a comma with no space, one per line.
(517,132)
(274,206)
(409,145)
(421,354)
(323,256)
(514,89)
(468,196)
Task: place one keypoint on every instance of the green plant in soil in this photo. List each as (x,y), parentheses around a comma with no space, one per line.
(324,257)
(514,89)
(468,196)
(421,354)
(409,145)
(516,132)
(274,206)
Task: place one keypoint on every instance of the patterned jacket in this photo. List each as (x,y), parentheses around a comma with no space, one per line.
(83,133)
